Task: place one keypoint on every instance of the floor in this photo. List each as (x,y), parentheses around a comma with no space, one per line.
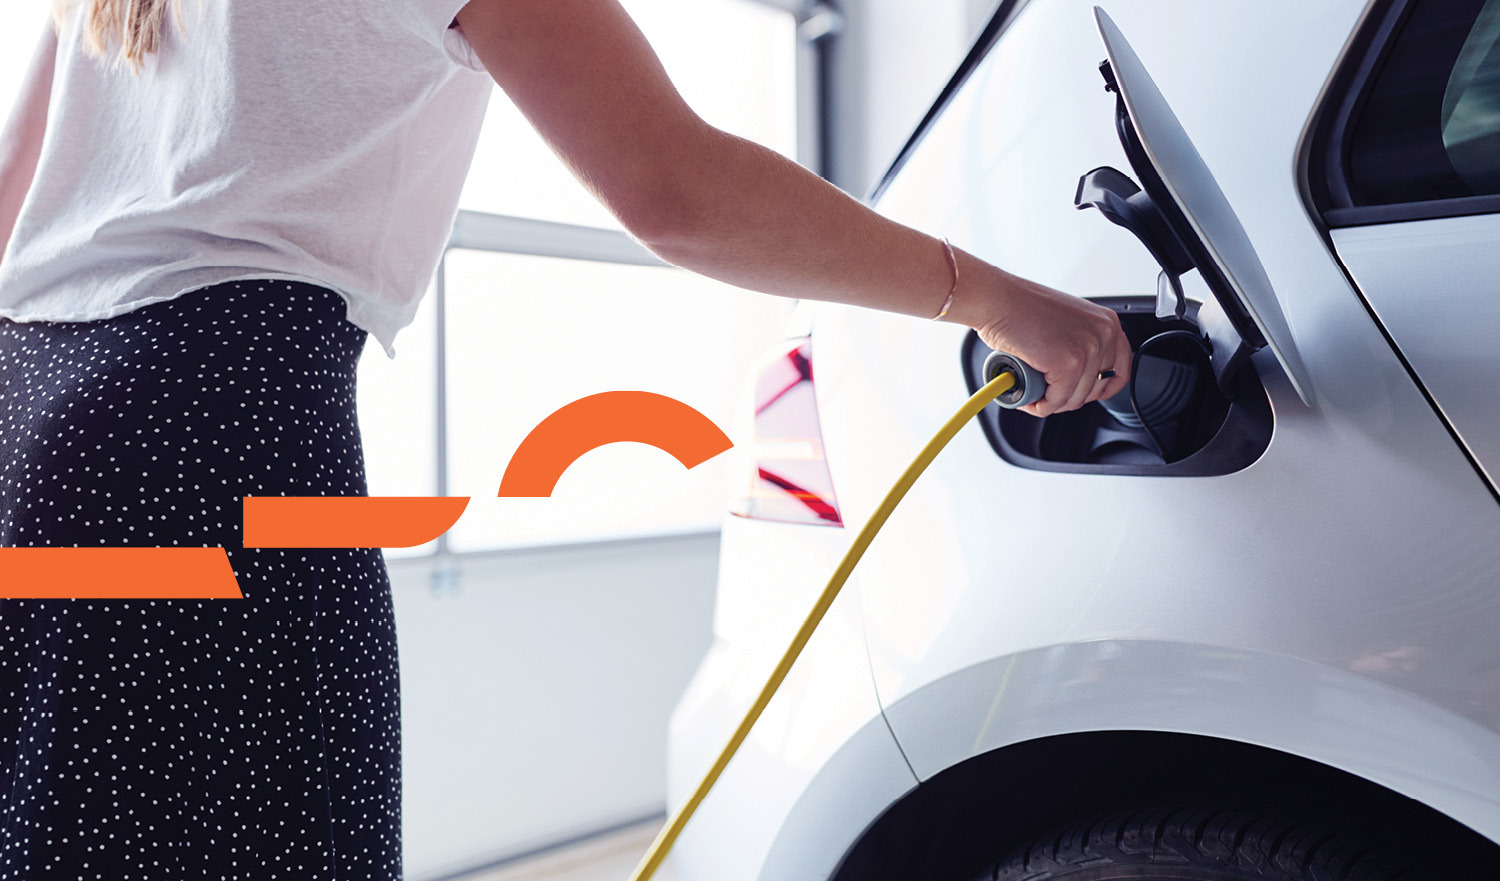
(609,857)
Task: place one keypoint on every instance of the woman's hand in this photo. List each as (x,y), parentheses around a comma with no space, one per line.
(1070,340)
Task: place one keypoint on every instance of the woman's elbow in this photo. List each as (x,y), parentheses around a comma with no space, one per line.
(668,217)
(680,199)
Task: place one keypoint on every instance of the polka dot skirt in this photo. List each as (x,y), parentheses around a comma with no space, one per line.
(187,739)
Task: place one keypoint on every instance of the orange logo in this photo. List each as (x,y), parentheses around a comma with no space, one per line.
(360,521)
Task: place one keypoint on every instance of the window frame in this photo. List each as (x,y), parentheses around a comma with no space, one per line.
(1000,19)
(1325,171)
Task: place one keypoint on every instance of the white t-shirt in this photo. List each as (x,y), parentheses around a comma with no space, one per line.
(312,140)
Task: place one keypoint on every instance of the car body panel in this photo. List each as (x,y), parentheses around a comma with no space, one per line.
(1432,283)
(1352,721)
(1359,532)
(822,750)
(1336,599)
(1370,460)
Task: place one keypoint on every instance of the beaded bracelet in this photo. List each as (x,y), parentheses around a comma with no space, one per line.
(953,262)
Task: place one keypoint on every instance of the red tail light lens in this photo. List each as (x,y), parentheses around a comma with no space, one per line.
(790,481)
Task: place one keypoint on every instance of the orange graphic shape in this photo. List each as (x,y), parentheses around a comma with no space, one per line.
(117,573)
(609,417)
(348,521)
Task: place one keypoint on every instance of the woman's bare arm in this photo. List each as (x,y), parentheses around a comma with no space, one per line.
(21,139)
(585,77)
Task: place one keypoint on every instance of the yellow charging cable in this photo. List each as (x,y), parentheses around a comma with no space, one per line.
(668,835)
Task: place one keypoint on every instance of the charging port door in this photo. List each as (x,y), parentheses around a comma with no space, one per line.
(1181,216)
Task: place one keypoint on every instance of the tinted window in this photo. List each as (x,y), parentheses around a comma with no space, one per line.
(1430,128)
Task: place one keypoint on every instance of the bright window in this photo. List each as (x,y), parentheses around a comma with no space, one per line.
(551,331)
(398,414)
(523,335)
(734,62)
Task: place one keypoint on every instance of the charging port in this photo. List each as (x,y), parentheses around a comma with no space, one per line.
(1181,423)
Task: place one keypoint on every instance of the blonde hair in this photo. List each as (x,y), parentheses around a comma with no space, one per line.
(128,29)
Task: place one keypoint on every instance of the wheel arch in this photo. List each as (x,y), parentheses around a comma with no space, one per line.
(957,821)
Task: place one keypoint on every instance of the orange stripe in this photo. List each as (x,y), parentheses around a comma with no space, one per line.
(348,521)
(117,573)
(609,417)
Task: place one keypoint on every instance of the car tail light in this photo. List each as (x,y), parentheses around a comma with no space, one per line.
(790,480)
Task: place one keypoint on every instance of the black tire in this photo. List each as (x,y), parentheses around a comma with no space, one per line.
(1199,845)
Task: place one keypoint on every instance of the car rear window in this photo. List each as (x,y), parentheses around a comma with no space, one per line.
(1430,126)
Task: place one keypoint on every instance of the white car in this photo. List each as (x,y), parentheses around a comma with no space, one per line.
(1245,627)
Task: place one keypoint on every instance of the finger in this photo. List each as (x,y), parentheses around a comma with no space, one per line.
(1122,360)
(1068,389)
(1108,386)
(1046,405)
(1111,387)
(1124,356)
(1040,407)
(1084,385)
(1035,408)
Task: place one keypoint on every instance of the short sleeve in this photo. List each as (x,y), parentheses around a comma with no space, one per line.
(458,48)
(433,21)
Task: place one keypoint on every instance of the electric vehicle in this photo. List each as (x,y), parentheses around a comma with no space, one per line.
(1246,625)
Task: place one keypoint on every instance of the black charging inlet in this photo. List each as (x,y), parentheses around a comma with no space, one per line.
(1182,425)
(1195,404)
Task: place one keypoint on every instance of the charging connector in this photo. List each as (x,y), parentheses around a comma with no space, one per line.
(1030,386)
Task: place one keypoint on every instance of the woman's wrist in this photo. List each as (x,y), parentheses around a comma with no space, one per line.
(982,294)
(952,258)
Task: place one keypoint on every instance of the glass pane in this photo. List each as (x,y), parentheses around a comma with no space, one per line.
(1471,105)
(733,60)
(398,414)
(527,335)
(1427,129)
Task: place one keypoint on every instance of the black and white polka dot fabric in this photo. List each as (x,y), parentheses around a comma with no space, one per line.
(187,739)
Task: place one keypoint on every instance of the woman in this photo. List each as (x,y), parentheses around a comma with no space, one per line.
(197,249)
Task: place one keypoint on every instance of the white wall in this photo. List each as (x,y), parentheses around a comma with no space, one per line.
(536,687)
(886,68)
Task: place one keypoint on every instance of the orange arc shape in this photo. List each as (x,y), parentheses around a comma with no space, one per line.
(117,573)
(348,521)
(609,417)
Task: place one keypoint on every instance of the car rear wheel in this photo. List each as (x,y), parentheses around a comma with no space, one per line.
(1205,845)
